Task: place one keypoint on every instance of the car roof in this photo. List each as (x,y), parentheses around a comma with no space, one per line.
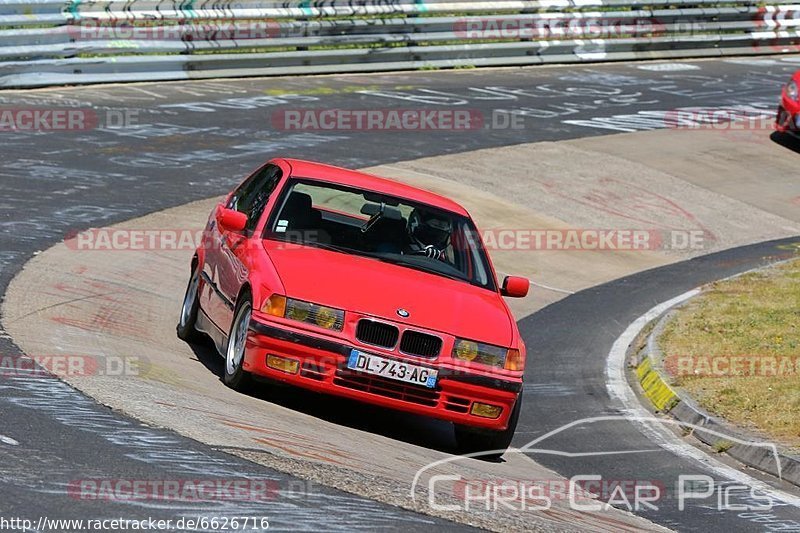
(361,180)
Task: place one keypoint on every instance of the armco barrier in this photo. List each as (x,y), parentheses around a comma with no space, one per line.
(47,42)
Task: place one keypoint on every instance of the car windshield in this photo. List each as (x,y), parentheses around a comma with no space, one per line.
(381,227)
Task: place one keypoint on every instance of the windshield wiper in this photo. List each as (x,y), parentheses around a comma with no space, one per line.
(429,270)
(341,249)
(331,247)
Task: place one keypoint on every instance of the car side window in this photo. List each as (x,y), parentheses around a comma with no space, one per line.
(252,196)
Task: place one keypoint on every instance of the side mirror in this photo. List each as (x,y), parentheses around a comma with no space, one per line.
(231,220)
(515,287)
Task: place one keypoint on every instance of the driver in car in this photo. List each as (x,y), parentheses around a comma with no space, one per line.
(429,234)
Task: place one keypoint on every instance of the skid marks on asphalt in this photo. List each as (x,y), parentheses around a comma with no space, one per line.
(294,444)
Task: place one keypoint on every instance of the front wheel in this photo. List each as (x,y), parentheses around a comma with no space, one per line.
(191,305)
(236,377)
(493,443)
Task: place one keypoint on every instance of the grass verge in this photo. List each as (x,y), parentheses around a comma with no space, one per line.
(736,350)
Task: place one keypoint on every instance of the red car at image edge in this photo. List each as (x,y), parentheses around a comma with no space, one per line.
(788,118)
(349,284)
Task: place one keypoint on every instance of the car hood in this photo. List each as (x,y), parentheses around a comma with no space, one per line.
(376,288)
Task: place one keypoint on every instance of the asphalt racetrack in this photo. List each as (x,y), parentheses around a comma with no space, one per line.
(157,146)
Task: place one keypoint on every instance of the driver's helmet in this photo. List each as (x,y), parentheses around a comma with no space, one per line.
(428,229)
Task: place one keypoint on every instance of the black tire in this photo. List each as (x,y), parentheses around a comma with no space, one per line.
(191,306)
(235,376)
(474,440)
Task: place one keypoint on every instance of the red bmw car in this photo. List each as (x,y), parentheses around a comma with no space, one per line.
(354,285)
(788,119)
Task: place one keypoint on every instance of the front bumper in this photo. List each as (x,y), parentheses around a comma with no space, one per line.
(323,368)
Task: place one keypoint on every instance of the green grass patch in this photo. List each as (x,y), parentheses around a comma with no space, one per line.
(736,350)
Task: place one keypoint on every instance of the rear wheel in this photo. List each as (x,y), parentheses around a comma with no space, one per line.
(191,306)
(473,440)
(236,377)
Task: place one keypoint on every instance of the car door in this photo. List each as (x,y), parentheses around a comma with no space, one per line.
(226,266)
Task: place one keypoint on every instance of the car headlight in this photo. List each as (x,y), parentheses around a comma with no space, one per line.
(486,354)
(791,90)
(310,313)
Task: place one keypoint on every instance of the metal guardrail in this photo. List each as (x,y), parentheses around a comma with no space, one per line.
(49,42)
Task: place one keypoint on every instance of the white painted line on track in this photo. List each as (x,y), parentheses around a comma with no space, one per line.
(8,440)
(618,388)
(549,288)
(668,67)
(752,62)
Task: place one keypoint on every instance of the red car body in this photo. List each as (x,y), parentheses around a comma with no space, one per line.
(233,261)
(789,109)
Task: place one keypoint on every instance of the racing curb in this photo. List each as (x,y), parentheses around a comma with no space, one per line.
(647,356)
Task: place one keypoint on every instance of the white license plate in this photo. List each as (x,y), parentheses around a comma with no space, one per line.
(389,368)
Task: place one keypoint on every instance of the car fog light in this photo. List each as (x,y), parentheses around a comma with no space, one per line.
(484,410)
(797,121)
(290,366)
